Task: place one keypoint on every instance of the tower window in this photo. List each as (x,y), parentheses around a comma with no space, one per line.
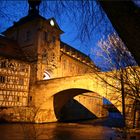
(28,35)
(53,39)
(45,36)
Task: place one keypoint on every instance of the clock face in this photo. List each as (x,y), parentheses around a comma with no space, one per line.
(51,22)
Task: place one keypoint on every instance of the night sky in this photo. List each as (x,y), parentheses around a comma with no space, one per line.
(12,10)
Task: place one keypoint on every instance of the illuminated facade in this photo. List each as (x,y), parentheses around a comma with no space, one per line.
(14,75)
(30,51)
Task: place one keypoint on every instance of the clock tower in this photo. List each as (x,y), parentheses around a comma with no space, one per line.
(39,39)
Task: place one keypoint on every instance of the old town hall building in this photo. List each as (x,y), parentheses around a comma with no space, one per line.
(31,50)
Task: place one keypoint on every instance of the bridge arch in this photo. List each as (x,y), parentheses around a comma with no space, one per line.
(65,97)
(47,92)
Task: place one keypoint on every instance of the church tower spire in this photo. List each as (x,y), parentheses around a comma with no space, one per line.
(34,7)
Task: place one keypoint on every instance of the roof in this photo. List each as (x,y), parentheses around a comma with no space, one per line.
(9,48)
(32,17)
(79,53)
(73,49)
(25,19)
(55,24)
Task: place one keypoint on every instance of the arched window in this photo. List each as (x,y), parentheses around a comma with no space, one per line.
(46,75)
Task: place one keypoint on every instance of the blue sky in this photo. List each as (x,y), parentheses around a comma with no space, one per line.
(18,9)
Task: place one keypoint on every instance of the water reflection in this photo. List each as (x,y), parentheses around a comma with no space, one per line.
(89,130)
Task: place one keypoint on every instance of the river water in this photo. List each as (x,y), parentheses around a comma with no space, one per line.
(86,130)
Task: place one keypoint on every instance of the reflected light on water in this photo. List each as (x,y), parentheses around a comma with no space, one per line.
(89,130)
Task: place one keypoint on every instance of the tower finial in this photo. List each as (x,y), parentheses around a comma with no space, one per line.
(34,6)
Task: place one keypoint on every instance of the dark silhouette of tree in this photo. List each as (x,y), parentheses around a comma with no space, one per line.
(125,17)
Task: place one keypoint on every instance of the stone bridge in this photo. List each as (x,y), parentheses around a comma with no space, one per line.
(49,96)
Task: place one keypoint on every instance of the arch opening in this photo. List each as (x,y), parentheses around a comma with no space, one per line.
(112,110)
(74,111)
(114,115)
(76,105)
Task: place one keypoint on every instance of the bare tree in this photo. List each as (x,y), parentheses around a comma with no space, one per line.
(86,15)
(118,58)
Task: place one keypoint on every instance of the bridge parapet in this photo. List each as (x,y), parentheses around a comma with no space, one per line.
(106,84)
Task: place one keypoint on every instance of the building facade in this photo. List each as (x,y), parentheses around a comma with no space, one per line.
(30,51)
(14,75)
(49,57)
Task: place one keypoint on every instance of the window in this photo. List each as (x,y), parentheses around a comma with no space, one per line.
(12,66)
(22,68)
(44,56)
(46,75)
(28,35)
(45,36)
(64,64)
(17,98)
(2,79)
(53,39)
(3,64)
(30,99)
(21,81)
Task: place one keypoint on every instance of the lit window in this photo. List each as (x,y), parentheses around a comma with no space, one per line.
(46,75)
